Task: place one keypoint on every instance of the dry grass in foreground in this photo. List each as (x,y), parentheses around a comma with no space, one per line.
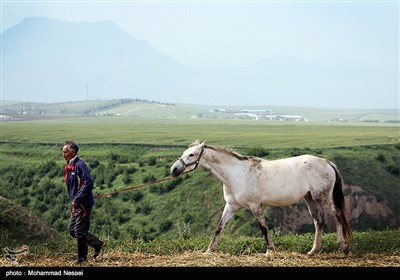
(116,258)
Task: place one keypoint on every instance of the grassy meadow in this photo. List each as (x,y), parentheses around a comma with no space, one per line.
(228,133)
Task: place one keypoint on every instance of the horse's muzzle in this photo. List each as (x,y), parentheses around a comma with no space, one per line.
(176,169)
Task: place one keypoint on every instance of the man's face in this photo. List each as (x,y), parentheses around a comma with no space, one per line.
(67,154)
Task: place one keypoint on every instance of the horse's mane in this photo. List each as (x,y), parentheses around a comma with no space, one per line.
(229,151)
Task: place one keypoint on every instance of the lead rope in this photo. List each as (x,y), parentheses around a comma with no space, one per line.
(133,187)
(196,162)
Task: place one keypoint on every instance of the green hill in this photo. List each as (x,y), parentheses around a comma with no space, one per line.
(193,203)
(138,108)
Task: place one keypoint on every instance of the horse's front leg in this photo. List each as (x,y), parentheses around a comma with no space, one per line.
(227,214)
(258,212)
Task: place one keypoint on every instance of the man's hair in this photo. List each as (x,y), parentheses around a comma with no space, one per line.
(72,146)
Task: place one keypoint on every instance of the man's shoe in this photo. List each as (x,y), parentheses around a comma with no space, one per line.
(80,261)
(97,249)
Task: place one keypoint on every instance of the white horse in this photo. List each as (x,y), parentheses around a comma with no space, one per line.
(254,183)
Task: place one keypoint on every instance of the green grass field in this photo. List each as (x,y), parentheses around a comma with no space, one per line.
(231,133)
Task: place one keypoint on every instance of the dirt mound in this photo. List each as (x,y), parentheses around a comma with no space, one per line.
(18,225)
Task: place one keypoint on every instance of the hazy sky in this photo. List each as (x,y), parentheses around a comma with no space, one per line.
(212,34)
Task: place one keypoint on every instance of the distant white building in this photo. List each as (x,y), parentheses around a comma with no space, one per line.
(5,118)
(259,114)
(293,118)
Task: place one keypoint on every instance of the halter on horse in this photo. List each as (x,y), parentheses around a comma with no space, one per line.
(255,183)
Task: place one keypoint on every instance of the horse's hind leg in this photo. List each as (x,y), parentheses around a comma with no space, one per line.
(227,215)
(318,218)
(258,212)
(339,230)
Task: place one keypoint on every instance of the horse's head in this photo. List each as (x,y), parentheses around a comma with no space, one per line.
(189,159)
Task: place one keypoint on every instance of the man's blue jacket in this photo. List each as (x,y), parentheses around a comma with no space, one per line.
(79,183)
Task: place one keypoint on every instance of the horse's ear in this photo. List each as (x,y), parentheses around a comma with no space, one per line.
(195,143)
(204,143)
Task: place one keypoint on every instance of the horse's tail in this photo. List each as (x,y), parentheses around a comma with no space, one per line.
(338,201)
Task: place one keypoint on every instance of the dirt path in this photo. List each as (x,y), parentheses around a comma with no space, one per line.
(200,259)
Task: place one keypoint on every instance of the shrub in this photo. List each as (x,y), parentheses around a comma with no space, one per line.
(380,157)
(258,151)
(393,169)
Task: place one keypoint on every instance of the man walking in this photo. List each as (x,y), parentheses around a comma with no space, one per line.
(79,185)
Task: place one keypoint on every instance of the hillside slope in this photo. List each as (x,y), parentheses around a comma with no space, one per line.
(19,224)
(192,203)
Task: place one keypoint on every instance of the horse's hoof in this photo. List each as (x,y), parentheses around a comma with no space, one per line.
(312,252)
(208,252)
(270,250)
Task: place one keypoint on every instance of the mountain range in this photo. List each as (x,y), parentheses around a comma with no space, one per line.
(50,60)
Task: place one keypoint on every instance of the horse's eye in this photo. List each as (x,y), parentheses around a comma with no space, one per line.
(191,155)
